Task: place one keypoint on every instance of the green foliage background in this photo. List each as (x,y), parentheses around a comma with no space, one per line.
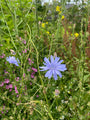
(22,20)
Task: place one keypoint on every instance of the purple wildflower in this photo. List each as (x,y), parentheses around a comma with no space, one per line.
(54,67)
(13,60)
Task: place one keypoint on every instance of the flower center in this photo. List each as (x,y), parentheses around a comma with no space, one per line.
(53,66)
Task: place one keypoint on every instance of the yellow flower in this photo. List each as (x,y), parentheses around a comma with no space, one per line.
(76,34)
(47,32)
(62,17)
(71,34)
(60,12)
(43,25)
(58,8)
(46,22)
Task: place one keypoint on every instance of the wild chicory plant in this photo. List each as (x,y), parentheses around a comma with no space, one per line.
(13,60)
(54,67)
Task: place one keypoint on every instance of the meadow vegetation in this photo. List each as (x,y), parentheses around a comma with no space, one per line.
(44,60)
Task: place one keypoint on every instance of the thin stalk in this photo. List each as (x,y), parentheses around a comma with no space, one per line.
(37,56)
(12,41)
(37,19)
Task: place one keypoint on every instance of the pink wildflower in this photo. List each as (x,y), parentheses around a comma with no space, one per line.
(3,55)
(16,89)
(30,61)
(25,87)
(6,72)
(10,86)
(10,90)
(24,41)
(6,81)
(28,70)
(4,107)
(23,74)
(17,79)
(1,45)
(2,112)
(17,95)
(7,86)
(37,95)
(2,84)
(32,74)
(25,51)
(20,38)
(30,83)
(34,69)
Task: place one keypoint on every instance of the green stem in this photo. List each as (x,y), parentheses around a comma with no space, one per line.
(37,19)
(42,83)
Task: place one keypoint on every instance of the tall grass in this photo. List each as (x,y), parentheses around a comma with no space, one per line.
(27,33)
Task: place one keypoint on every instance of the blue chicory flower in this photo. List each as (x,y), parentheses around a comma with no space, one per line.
(13,60)
(54,67)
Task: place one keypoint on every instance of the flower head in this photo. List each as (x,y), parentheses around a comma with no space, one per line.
(43,25)
(76,34)
(62,17)
(13,60)
(2,84)
(48,32)
(16,91)
(34,69)
(6,81)
(58,8)
(54,67)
